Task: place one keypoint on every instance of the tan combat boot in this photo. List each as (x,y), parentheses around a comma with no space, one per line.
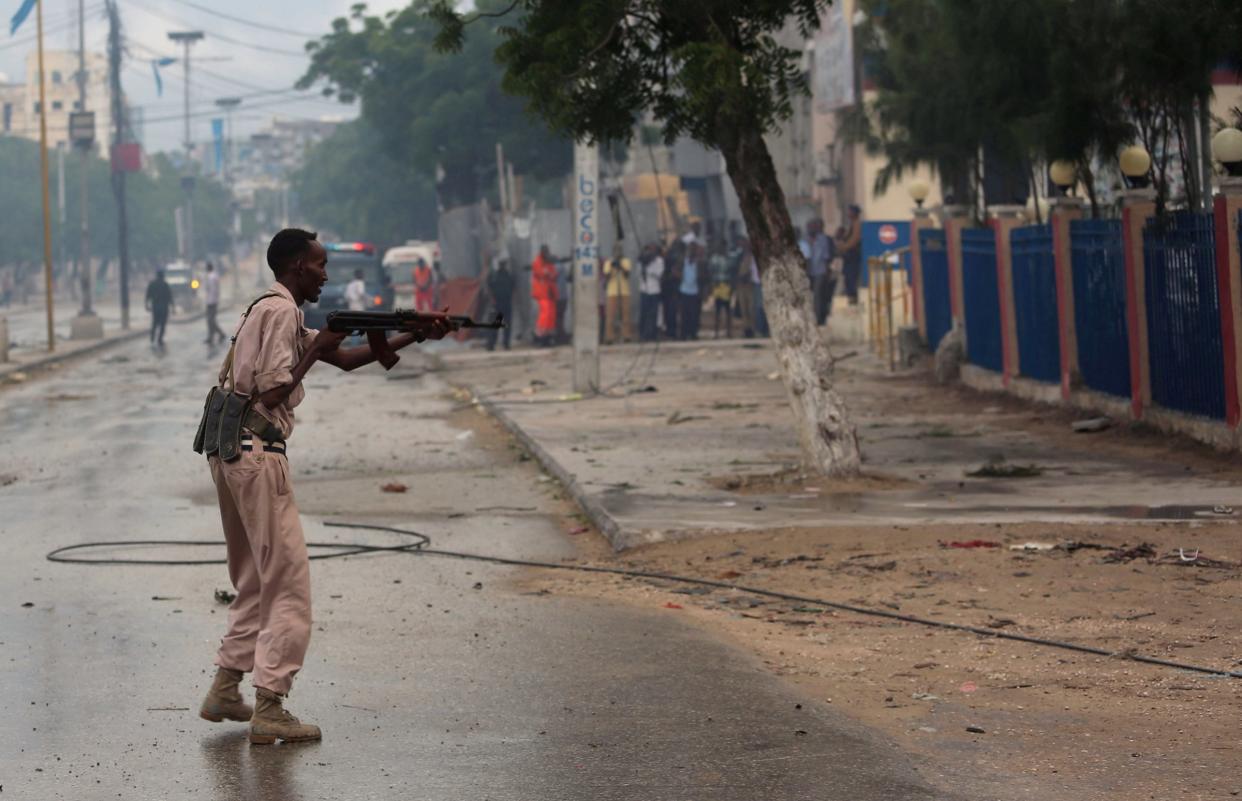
(224,699)
(271,722)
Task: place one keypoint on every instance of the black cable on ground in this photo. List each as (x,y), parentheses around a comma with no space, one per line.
(419,543)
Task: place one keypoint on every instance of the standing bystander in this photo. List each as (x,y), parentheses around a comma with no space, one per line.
(211,299)
(651,272)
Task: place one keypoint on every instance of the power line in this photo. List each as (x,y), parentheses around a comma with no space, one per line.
(216,34)
(259,25)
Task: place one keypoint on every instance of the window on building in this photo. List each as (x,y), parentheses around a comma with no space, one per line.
(57,105)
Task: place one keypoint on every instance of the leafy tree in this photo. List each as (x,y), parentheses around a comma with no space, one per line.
(349,185)
(152,196)
(432,109)
(712,70)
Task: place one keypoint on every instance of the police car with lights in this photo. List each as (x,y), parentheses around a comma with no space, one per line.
(343,259)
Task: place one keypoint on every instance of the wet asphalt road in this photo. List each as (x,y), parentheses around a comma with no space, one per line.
(432,679)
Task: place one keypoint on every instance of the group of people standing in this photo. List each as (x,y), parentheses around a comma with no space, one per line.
(833,260)
(675,282)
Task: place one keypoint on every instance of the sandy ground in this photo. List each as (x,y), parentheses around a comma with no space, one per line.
(1010,719)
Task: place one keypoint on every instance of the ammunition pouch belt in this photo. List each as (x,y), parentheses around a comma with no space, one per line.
(225,416)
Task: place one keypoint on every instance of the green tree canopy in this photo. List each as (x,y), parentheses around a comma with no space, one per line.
(349,185)
(431,108)
(152,196)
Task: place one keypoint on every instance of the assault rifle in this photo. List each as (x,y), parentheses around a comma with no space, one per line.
(376,325)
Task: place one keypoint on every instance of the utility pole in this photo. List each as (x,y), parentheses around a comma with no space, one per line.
(87,324)
(118,171)
(585,265)
(187,38)
(228,104)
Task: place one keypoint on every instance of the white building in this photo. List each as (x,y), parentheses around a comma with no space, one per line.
(19,102)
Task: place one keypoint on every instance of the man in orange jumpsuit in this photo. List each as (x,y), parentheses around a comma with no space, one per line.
(424,287)
(544,292)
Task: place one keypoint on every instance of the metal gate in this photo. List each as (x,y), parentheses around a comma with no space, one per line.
(981,298)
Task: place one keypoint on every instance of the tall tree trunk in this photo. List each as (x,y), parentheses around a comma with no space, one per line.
(829,441)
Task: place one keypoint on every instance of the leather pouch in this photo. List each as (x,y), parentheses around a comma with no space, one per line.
(232,417)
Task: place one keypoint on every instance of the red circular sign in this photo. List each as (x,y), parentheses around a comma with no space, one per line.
(888,234)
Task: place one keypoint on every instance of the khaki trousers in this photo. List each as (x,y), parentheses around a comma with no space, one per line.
(270,621)
(617,319)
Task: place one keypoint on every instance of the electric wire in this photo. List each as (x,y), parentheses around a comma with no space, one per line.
(418,545)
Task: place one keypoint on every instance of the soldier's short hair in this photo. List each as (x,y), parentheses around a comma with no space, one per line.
(287,246)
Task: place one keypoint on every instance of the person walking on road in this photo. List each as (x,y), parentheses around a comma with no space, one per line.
(211,299)
(159,301)
(617,287)
(269,622)
(651,271)
(500,287)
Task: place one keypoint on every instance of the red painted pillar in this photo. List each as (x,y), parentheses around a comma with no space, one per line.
(1139,205)
(955,219)
(1004,220)
(1063,211)
(1225,209)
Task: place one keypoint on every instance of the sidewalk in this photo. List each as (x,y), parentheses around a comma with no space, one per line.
(28,351)
(713,449)
(1122,540)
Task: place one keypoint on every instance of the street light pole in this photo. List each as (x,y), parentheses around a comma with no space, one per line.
(228,104)
(185,39)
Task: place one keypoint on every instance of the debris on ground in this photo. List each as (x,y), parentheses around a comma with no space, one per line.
(225,597)
(997,467)
(394,486)
(1144,550)
(1091,425)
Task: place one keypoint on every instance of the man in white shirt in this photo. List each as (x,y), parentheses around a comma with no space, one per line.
(356,293)
(651,270)
(211,299)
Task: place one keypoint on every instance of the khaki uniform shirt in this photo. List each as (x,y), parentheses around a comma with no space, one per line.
(269,342)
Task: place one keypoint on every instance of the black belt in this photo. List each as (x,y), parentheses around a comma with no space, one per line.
(247,444)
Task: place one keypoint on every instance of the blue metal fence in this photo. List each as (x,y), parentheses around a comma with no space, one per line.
(937,308)
(1183,314)
(981,299)
(1098,258)
(1035,302)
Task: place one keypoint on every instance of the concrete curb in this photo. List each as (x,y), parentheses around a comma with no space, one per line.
(594,511)
(43,362)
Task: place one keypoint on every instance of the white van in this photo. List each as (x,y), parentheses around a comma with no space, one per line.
(399,264)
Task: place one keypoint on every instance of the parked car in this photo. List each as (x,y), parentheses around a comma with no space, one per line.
(184,284)
(343,259)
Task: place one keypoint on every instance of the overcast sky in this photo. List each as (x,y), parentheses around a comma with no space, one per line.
(269,59)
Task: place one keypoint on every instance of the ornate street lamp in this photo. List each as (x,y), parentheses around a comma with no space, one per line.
(918,192)
(1064,174)
(1227,149)
(1135,162)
